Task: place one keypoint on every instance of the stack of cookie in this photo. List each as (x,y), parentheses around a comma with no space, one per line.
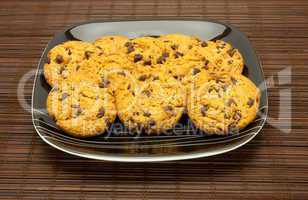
(148,82)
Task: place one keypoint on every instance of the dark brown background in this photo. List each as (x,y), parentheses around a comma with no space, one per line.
(273,166)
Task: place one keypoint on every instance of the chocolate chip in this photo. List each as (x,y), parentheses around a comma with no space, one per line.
(170,110)
(204,44)
(233,80)
(178,54)
(146,114)
(227,116)
(108,122)
(143,77)
(130,119)
(213,88)
(165,55)
(64,96)
(69,52)
(104,83)
(237,115)
(155,78)
(221,44)
(59,59)
(130,49)
(174,46)
(61,70)
(161,60)
(219,80)
(196,71)
(101,113)
(225,87)
(87,54)
(220,129)
(152,123)
(48,60)
(129,86)
(147,62)
(231,52)
(231,101)
(250,102)
(204,109)
(122,73)
(206,62)
(147,93)
(128,44)
(83,94)
(136,113)
(99,47)
(77,67)
(197,39)
(77,112)
(137,57)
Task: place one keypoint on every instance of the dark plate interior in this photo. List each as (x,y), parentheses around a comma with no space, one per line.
(118,138)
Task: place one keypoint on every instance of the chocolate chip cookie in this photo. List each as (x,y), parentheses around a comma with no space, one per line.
(219,57)
(222,104)
(152,102)
(81,109)
(64,59)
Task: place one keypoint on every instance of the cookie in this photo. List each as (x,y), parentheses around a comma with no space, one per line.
(81,109)
(219,56)
(152,102)
(222,104)
(63,60)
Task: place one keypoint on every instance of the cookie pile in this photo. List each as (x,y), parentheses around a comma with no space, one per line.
(148,82)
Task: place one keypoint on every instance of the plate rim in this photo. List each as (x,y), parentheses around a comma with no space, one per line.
(150,158)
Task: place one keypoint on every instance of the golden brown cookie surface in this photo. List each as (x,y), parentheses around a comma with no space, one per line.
(153,102)
(82,109)
(222,104)
(220,57)
(64,59)
(111,45)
